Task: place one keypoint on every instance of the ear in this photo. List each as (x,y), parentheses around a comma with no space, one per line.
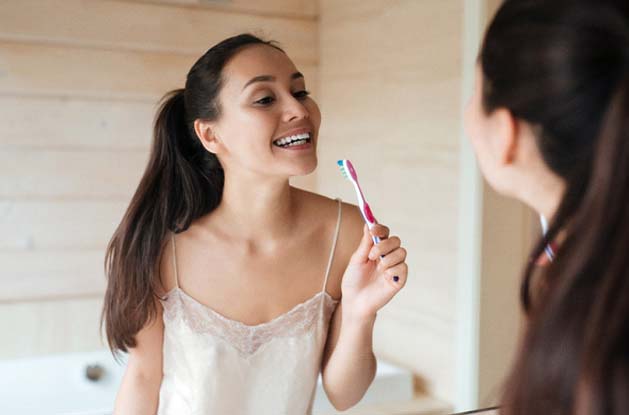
(507,134)
(206,132)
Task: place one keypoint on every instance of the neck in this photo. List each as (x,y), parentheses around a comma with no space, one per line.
(543,192)
(256,208)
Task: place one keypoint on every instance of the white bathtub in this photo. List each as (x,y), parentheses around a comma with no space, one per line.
(58,385)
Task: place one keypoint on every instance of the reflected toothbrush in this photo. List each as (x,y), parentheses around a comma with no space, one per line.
(550,252)
(349,173)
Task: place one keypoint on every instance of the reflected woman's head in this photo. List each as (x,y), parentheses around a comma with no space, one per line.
(547,70)
(552,103)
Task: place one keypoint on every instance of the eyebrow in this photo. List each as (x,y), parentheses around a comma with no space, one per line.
(270,78)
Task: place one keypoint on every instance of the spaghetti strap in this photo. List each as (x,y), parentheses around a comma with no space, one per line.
(175,260)
(336,237)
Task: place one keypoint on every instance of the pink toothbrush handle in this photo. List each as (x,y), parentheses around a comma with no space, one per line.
(371,220)
(369,215)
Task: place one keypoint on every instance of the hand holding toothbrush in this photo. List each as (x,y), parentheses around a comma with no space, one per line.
(377,270)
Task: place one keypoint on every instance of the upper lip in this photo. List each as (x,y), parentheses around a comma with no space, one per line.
(295,131)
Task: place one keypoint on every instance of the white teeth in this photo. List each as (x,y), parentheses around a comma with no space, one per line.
(293,140)
(297,143)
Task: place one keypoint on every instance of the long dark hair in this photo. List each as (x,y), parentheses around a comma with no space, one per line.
(563,67)
(182,182)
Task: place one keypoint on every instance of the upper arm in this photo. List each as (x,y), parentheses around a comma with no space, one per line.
(333,335)
(350,234)
(351,230)
(145,359)
(139,390)
(349,238)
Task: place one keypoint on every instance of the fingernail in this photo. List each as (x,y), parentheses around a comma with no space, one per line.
(396,278)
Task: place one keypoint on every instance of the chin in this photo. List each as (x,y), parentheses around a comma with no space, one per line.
(305,167)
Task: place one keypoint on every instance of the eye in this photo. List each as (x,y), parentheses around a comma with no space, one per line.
(265,101)
(300,95)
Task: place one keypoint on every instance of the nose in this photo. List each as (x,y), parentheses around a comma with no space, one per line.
(295,110)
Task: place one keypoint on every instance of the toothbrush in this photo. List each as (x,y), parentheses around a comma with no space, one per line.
(550,253)
(349,173)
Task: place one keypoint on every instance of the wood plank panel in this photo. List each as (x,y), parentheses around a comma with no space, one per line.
(149,27)
(292,9)
(58,225)
(505,250)
(30,69)
(46,123)
(391,104)
(65,71)
(49,327)
(427,352)
(34,275)
(87,174)
(422,41)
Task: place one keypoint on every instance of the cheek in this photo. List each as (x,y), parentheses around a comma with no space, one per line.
(254,125)
(314,113)
(475,128)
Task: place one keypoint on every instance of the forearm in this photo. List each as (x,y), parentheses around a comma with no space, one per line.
(351,367)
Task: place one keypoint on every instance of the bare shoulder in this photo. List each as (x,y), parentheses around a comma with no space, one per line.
(327,208)
(350,232)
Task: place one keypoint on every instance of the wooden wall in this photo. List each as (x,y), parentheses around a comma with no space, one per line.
(390,87)
(79,83)
(511,229)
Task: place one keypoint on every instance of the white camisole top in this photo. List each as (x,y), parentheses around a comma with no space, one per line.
(213,365)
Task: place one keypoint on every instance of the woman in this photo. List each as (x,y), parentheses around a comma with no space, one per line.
(222,277)
(549,122)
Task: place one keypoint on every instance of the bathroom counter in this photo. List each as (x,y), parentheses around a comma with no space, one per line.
(418,406)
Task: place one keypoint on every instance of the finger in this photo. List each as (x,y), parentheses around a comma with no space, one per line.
(361,254)
(393,258)
(396,276)
(380,231)
(384,247)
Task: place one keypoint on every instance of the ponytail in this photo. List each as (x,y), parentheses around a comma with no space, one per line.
(597,269)
(182,182)
(574,357)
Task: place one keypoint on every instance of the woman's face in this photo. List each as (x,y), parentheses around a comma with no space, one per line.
(268,124)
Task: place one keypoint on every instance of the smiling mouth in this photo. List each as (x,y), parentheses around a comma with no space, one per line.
(293,140)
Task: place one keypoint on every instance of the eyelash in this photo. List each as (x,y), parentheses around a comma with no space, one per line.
(300,95)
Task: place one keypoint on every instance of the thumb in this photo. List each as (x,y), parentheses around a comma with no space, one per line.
(361,255)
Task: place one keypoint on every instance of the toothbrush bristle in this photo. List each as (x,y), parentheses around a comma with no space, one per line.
(343,167)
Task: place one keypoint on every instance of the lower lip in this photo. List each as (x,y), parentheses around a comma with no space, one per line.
(306,146)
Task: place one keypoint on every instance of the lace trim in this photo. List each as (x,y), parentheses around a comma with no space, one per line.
(179,306)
